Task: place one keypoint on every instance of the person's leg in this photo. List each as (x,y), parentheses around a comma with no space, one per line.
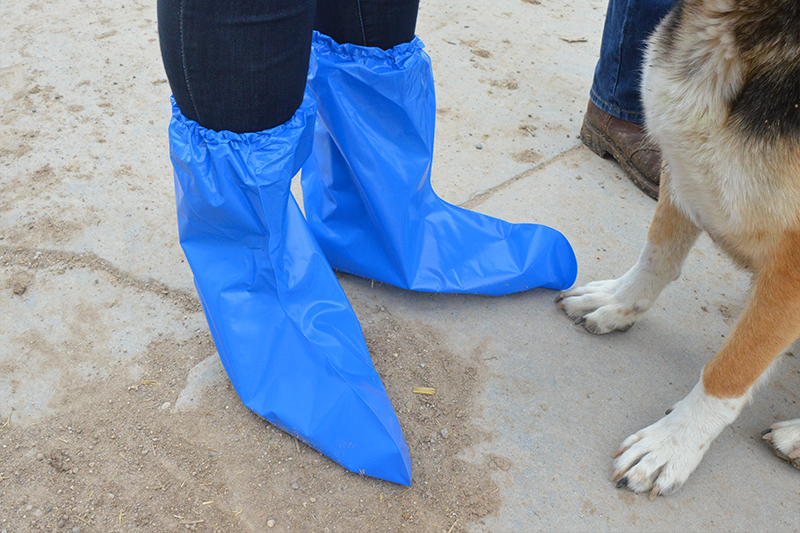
(373,23)
(241,129)
(239,65)
(618,73)
(366,187)
(613,122)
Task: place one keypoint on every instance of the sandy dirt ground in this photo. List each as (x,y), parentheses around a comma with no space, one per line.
(153,454)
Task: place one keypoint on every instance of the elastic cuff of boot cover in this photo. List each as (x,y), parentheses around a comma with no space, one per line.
(254,140)
(373,57)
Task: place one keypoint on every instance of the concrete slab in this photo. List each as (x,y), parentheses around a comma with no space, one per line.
(115,414)
(511,82)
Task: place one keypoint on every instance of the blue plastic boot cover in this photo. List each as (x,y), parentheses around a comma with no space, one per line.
(367,190)
(288,338)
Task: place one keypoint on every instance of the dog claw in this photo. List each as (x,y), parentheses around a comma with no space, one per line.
(655,492)
(633,439)
(767,434)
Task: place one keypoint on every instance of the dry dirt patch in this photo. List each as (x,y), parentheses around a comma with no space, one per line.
(115,454)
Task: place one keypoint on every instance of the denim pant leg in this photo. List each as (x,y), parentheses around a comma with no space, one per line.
(241,65)
(618,73)
(237,65)
(379,23)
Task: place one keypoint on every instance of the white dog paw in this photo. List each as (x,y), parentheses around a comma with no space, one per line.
(784,437)
(598,307)
(661,457)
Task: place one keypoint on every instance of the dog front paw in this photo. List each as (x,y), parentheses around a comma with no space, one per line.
(658,458)
(598,307)
(661,457)
(784,437)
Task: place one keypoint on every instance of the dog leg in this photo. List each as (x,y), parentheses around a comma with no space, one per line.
(604,306)
(661,457)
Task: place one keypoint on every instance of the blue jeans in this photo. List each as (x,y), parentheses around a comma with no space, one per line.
(241,65)
(618,73)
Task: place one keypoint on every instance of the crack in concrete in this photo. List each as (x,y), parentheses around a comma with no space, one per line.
(478,199)
(60,260)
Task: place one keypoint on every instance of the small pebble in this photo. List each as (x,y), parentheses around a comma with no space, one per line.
(444,432)
(270,523)
(165,406)
(313,500)
(479,146)
(39,456)
(295,486)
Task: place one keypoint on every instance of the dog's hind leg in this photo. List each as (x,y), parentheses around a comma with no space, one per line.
(604,306)
(662,456)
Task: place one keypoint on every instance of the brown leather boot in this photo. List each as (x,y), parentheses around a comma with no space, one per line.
(626,142)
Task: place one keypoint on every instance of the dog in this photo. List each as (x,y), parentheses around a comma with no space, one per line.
(721,94)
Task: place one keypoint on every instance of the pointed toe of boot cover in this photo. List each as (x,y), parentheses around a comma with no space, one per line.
(288,338)
(367,191)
